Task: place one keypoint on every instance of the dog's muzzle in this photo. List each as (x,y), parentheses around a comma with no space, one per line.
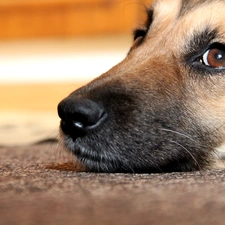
(80,116)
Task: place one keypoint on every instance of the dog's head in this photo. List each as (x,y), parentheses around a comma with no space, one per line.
(163,107)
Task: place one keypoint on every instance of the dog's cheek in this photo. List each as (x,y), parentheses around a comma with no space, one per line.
(206,106)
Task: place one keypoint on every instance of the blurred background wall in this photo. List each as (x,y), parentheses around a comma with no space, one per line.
(48,48)
(66,18)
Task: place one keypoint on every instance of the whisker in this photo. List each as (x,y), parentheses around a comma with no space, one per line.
(187,152)
(181,134)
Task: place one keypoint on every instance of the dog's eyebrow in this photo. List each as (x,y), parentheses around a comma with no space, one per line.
(204,38)
(200,41)
(143,31)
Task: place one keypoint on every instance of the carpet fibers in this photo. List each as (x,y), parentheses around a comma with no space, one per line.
(40,184)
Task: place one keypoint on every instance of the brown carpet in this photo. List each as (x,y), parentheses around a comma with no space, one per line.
(39,186)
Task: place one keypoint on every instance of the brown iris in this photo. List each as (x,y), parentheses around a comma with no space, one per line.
(214,58)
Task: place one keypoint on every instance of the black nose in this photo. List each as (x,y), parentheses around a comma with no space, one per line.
(78,116)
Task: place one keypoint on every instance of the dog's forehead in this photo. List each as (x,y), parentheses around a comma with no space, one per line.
(183,19)
(187,5)
(180,7)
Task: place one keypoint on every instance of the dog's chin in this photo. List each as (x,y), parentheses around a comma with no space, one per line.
(93,157)
(96,158)
(102,157)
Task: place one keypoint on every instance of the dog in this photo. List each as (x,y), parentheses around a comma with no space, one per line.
(162,109)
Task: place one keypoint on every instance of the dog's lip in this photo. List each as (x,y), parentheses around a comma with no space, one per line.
(99,162)
(88,156)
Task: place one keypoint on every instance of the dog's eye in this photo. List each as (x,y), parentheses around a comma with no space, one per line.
(139,33)
(214,57)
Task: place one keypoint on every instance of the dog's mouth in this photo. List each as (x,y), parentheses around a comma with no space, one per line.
(92,153)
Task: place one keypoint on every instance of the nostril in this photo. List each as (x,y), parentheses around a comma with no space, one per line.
(88,121)
(80,115)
